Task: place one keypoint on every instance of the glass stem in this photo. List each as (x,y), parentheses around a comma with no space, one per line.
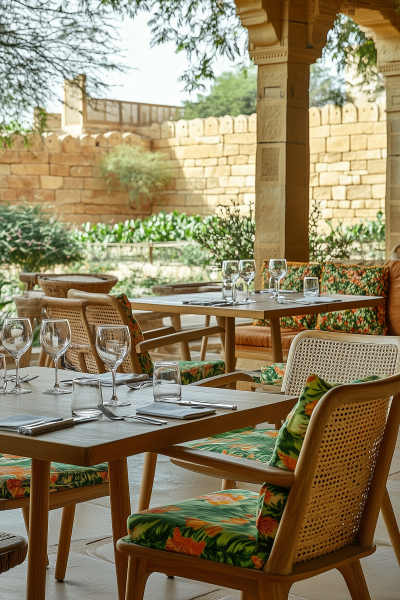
(114,377)
(56,383)
(248,288)
(278,282)
(17,385)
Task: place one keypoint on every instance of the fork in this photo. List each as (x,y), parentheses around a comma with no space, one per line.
(110,415)
(139,385)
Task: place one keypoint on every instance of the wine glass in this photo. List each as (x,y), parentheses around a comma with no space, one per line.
(247,271)
(17,338)
(55,337)
(113,344)
(230,274)
(278,269)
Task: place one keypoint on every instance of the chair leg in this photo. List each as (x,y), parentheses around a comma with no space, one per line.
(25,514)
(228,484)
(204,341)
(355,580)
(244,596)
(184,346)
(271,590)
(146,487)
(137,579)
(391,524)
(64,542)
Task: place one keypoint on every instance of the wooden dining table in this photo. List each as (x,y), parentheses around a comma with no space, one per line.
(112,441)
(263,307)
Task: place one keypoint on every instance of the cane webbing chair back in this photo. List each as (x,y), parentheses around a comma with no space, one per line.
(332,488)
(339,357)
(103,309)
(81,354)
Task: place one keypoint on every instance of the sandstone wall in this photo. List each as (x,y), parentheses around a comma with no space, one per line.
(212,161)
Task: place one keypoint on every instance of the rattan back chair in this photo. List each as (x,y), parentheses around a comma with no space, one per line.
(332,509)
(81,354)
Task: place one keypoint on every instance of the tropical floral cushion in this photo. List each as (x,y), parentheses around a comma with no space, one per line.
(293,281)
(355,280)
(191,371)
(254,444)
(15,476)
(273,374)
(220,527)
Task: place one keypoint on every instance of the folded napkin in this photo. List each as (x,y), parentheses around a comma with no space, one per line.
(14,422)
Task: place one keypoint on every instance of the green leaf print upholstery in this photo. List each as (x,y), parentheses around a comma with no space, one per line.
(15,476)
(220,527)
(191,371)
(273,374)
(359,281)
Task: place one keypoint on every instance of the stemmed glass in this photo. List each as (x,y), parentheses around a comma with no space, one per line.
(113,344)
(55,337)
(247,271)
(278,269)
(230,273)
(17,338)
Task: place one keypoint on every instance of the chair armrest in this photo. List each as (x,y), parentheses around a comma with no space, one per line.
(220,380)
(240,468)
(156,333)
(180,336)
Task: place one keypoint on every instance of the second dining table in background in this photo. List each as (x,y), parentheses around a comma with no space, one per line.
(262,307)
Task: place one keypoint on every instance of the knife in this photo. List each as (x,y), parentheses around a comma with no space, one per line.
(199,404)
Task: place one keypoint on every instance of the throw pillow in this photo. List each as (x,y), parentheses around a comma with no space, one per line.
(359,281)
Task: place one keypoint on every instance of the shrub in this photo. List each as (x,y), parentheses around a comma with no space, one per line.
(228,235)
(33,239)
(143,174)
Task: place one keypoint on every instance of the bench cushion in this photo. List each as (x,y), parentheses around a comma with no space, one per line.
(220,527)
(259,339)
(354,280)
(15,476)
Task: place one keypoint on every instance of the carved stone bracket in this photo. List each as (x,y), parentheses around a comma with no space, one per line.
(263,20)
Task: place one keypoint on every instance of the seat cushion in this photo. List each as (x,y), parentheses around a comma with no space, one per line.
(196,370)
(259,338)
(273,374)
(254,444)
(354,280)
(15,476)
(220,527)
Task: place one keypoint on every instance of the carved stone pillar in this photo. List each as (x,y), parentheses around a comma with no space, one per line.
(280,40)
(392,204)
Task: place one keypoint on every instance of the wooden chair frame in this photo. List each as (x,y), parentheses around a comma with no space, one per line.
(284,568)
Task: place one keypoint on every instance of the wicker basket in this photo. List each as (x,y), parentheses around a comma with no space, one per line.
(58,286)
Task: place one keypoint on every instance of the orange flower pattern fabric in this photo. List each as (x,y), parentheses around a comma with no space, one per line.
(220,527)
(191,371)
(359,281)
(254,444)
(273,374)
(15,476)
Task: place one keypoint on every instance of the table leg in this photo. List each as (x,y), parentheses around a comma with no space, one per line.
(120,511)
(276,341)
(38,526)
(230,362)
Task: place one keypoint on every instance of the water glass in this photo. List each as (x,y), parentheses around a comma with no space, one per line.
(230,275)
(17,338)
(86,395)
(3,374)
(167,381)
(247,271)
(278,270)
(113,344)
(272,286)
(311,286)
(55,337)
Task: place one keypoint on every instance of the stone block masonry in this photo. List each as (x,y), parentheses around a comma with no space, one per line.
(212,162)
